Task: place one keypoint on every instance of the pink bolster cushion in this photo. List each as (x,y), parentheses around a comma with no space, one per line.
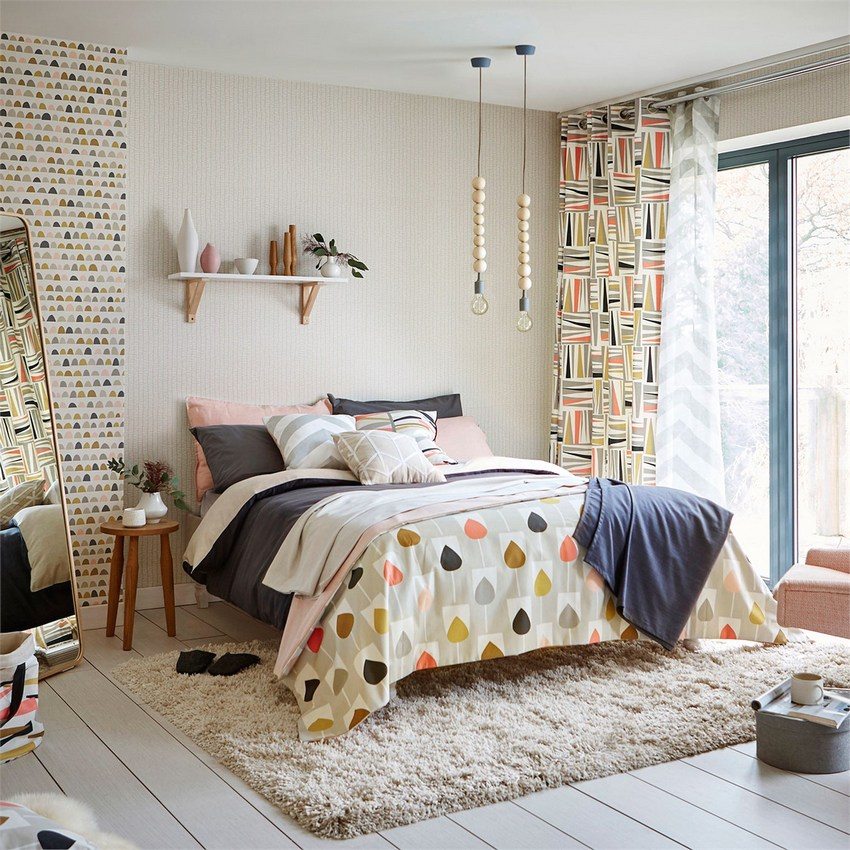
(212,411)
(461,438)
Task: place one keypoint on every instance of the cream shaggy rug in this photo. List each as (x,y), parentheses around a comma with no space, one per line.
(459,737)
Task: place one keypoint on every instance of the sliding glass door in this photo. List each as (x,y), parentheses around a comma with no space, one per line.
(782,250)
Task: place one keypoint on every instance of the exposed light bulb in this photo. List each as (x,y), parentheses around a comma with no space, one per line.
(524,323)
(480,305)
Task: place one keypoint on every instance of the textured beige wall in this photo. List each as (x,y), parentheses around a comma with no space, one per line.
(386,174)
(816,96)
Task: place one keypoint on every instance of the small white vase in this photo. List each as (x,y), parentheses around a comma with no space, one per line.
(187,244)
(331,268)
(153,506)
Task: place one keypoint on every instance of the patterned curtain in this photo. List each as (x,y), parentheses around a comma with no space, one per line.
(26,438)
(614,188)
(690,454)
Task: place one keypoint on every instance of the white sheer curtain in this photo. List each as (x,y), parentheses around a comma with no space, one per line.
(689,453)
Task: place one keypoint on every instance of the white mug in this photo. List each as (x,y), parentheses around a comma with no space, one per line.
(806,688)
(133,518)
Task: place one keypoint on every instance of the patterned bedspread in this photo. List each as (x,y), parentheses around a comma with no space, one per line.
(393,579)
(480,585)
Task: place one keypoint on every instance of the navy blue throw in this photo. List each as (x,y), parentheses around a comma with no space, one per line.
(654,547)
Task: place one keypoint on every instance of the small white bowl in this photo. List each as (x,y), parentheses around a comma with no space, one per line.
(246,265)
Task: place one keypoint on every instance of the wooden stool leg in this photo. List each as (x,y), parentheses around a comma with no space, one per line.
(132,577)
(116,569)
(167,570)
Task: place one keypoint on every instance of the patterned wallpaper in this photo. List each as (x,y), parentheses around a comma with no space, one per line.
(26,443)
(614,187)
(64,162)
(361,166)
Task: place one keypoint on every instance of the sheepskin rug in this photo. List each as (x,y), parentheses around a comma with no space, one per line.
(459,737)
(73,816)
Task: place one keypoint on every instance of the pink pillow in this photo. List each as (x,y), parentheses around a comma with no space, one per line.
(461,438)
(212,411)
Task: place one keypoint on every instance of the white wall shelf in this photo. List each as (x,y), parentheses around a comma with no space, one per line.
(196,281)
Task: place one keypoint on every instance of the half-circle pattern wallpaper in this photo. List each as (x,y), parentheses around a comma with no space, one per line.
(64,166)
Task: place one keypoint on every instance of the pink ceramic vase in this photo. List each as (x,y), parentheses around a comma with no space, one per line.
(210,259)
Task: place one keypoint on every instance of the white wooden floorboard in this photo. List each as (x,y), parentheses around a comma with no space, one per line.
(837,781)
(148,638)
(507,826)
(26,775)
(307,841)
(593,823)
(218,641)
(85,769)
(428,834)
(231,621)
(794,792)
(669,815)
(187,625)
(106,653)
(757,814)
(695,804)
(187,787)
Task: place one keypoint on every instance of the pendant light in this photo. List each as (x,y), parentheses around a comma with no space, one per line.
(523,212)
(479,265)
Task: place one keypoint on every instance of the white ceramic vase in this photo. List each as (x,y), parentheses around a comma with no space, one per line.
(153,506)
(331,268)
(187,244)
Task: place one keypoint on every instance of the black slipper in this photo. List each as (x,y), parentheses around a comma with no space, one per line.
(194,661)
(232,663)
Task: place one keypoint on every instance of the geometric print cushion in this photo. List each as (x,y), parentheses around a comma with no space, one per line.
(306,441)
(384,457)
(421,425)
(24,495)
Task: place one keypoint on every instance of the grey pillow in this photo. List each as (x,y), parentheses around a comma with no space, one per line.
(237,452)
(447,406)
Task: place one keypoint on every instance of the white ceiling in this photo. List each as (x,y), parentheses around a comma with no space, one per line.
(587,51)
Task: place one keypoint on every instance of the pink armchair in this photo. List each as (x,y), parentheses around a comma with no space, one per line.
(816,595)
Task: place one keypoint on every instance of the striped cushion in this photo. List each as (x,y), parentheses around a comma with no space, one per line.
(306,440)
(419,424)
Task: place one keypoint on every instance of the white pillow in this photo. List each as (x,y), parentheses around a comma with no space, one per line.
(384,457)
(54,495)
(306,441)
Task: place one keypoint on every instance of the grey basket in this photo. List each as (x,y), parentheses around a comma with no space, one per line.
(800,745)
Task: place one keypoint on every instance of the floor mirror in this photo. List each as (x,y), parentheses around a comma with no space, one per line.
(37,583)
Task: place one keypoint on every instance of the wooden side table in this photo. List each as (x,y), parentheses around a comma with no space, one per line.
(162,528)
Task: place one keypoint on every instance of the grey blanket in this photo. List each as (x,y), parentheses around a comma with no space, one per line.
(654,547)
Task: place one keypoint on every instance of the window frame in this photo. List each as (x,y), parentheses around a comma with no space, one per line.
(781,160)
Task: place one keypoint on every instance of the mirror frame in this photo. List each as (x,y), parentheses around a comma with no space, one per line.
(44,673)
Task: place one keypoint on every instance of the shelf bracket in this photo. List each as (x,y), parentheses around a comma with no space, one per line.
(308,299)
(194,291)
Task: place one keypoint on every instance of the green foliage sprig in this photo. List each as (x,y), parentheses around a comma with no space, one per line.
(317,246)
(154,476)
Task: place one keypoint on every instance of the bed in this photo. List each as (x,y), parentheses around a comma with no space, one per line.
(31,597)
(371,583)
